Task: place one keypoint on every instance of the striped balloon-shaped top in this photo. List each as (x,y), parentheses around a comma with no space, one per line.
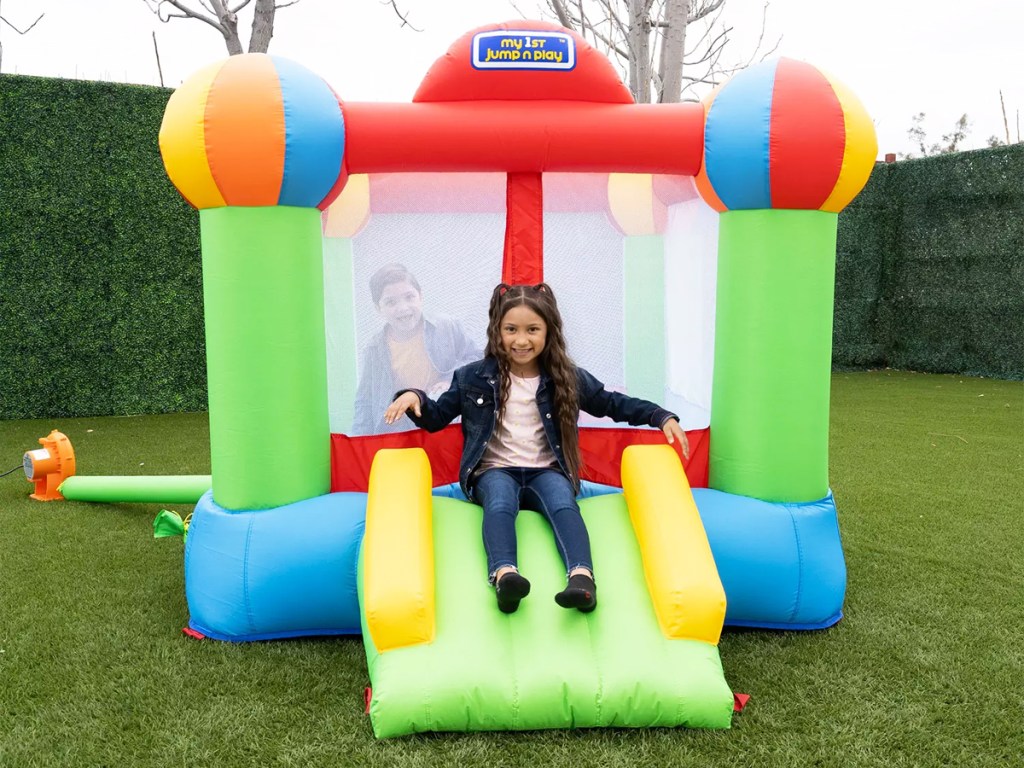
(783,134)
(254,130)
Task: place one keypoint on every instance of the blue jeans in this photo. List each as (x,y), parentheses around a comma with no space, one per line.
(548,491)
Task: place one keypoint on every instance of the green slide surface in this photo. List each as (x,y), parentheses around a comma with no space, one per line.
(544,666)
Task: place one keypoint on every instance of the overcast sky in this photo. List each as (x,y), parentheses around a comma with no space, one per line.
(900,57)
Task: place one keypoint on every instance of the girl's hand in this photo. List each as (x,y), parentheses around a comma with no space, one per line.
(674,432)
(404,402)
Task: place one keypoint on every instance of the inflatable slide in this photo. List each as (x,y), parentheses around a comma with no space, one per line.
(443,658)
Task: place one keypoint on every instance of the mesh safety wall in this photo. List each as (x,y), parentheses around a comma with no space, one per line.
(407,291)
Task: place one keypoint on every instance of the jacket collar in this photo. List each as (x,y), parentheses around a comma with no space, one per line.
(488,369)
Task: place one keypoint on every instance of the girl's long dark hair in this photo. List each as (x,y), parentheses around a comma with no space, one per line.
(554,359)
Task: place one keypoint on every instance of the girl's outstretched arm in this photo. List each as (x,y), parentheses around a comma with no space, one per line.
(674,432)
(404,402)
(598,401)
(431,415)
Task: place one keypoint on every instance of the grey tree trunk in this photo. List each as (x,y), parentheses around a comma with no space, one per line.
(228,25)
(673,46)
(638,39)
(262,26)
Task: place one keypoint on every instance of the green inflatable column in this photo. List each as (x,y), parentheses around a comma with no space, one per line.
(773,353)
(786,147)
(256,143)
(265,355)
(644,269)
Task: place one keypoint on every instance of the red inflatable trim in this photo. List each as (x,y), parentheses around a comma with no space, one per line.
(453,77)
(807,137)
(523,260)
(602,448)
(538,136)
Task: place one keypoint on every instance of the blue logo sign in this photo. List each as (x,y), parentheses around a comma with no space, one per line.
(523,49)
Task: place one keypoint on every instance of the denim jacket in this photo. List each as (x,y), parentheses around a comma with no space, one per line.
(474,394)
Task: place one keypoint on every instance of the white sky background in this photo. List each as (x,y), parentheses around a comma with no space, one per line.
(940,57)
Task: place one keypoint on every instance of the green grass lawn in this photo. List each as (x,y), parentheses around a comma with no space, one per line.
(927,668)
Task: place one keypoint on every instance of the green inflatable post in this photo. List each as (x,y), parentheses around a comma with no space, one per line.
(773,353)
(644,269)
(265,350)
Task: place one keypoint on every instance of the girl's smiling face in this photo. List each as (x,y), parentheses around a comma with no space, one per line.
(523,336)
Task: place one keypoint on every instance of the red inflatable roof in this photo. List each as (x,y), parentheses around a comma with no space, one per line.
(506,62)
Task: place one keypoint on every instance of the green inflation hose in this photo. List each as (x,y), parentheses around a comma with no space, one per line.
(172,489)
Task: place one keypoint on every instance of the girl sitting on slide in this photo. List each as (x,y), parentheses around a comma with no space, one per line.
(519,409)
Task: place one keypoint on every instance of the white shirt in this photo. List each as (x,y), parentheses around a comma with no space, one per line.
(519,440)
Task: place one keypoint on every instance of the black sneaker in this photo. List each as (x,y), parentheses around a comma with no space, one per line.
(580,593)
(510,589)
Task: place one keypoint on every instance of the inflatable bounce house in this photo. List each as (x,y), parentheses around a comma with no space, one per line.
(692,249)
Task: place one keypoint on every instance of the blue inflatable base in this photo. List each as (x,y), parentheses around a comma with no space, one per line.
(270,573)
(291,571)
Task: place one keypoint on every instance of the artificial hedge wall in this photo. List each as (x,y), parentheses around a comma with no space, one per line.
(101,290)
(930,267)
(100,277)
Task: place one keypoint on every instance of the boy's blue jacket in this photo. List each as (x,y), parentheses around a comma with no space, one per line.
(448,347)
(474,393)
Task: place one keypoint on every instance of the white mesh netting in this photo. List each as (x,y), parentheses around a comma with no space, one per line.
(638,309)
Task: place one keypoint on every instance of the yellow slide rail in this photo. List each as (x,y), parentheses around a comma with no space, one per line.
(398,550)
(682,579)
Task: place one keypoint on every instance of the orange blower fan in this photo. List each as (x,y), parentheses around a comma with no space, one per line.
(50,465)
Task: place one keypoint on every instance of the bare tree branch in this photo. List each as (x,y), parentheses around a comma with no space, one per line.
(223,17)
(607,41)
(658,53)
(559,8)
(26,29)
(156,52)
(398,13)
(157,6)
(706,10)
(16,29)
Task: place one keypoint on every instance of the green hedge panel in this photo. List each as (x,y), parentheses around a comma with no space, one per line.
(100,276)
(930,267)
